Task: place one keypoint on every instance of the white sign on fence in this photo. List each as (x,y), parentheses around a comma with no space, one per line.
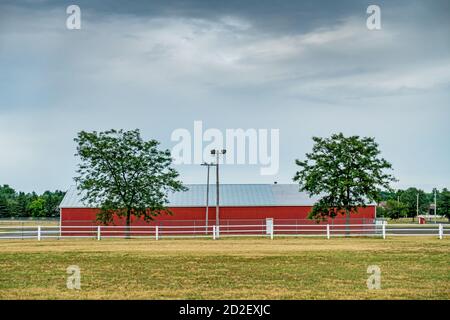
(269,225)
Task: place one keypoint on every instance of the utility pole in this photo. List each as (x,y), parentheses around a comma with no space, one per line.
(207,199)
(217,153)
(207,193)
(217,189)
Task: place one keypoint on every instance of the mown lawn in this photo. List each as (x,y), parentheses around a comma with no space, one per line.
(284,268)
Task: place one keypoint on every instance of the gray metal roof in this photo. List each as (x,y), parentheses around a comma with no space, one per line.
(231,195)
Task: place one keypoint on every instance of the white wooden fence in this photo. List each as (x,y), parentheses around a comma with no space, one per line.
(215,232)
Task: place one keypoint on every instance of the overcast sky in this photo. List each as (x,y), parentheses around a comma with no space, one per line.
(307,68)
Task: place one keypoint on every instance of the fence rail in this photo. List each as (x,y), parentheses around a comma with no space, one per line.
(215,232)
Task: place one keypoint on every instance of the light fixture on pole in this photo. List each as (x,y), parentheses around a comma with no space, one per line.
(207,193)
(217,153)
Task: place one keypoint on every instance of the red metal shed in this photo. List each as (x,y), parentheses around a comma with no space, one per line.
(239,204)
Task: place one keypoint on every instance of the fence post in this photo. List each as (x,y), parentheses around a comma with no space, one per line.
(98,233)
(328,231)
(218,232)
(441,231)
(157,233)
(384,229)
(271,231)
(39,233)
(214,232)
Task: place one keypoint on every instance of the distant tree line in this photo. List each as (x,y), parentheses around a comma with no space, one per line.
(21,204)
(394,205)
(403,203)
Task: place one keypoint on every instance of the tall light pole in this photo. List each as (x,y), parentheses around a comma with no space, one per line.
(207,192)
(217,153)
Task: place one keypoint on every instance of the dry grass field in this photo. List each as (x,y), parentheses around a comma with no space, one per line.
(284,268)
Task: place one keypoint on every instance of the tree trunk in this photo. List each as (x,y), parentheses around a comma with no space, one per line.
(128,225)
(347,213)
(347,222)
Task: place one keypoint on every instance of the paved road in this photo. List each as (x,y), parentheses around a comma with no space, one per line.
(431,229)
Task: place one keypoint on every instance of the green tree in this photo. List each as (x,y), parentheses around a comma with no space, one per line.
(37,207)
(409,198)
(443,203)
(381,212)
(7,195)
(346,172)
(386,195)
(4,209)
(395,209)
(18,204)
(124,175)
(22,203)
(52,201)
(7,191)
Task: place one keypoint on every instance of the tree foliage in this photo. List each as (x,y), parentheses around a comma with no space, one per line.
(346,172)
(443,203)
(408,198)
(21,204)
(124,175)
(395,209)
(37,207)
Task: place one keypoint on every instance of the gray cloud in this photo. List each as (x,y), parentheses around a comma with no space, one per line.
(306,69)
